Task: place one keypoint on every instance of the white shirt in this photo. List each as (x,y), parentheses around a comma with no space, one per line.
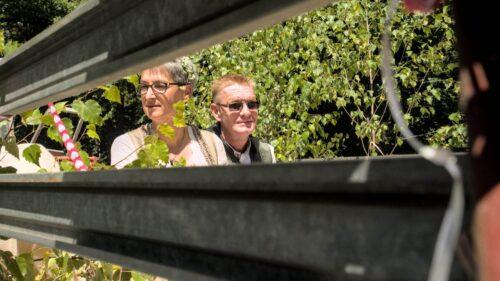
(124,151)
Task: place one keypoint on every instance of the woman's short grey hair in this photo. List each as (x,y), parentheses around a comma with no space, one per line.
(182,70)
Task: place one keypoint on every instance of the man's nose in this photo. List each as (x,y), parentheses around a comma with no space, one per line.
(245,111)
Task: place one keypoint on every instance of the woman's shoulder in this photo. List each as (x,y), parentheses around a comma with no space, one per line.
(134,137)
(210,144)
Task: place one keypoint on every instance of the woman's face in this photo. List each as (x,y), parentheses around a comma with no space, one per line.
(159,106)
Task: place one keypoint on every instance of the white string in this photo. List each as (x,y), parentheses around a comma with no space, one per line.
(444,248)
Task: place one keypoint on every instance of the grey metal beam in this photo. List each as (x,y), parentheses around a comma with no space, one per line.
(356,219)
(105,40)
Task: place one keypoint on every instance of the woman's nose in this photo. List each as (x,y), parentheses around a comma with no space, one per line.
(150,94)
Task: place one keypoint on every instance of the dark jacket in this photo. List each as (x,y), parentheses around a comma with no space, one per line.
(260,152)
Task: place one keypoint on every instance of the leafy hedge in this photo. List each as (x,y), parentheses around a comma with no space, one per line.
(318,77)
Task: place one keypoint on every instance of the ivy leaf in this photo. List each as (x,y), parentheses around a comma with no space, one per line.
(136,276)
(26,266)
(179,120)
(11,264)
(53,133)
(67,166)
(33,117)
(11,146)
(92,133)
(89,111)
(112,93)
(85,157)
(154,154)
(60,106)
(133,79)
(8,170)
(32,154)
(166,130)
(47,119)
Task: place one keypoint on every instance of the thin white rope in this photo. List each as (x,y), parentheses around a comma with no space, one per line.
(449,231)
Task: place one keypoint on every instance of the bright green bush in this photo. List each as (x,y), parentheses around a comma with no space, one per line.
(319,80)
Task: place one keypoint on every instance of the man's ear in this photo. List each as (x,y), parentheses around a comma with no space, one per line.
(215,112)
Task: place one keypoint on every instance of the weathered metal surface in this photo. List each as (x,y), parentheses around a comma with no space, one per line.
(356,219)
(103,41)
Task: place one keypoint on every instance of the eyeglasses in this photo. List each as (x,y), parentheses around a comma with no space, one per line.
(158,87)
(237,106)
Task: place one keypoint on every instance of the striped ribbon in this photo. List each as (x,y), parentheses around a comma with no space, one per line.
(68,141)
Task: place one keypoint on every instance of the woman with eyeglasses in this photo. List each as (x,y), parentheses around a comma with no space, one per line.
(160,89)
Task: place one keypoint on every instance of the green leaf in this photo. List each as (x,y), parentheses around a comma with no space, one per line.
(92,133)
(26,266)
(47,119)
(32,154)
(133,79)
(67,166)
(11,146)
(33,117)
(60,106)
(89,111)
(137,276)
(112,93)
(154,154)
(8,170)
(53,133)
(85,157)
(11,265)
(166,130)
(179,120)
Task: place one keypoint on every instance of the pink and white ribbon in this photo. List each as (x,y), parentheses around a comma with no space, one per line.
(68,141)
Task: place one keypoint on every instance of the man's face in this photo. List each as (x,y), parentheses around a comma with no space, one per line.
(238,123)
(159,106)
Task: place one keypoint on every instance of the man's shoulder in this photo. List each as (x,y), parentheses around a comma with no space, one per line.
(265,150)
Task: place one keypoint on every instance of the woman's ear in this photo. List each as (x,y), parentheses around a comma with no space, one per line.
(188,91)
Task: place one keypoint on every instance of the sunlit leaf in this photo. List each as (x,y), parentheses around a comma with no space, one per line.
(92,133)
(89,111)
(166,130)
(32,154)
(112,93)
(179,119)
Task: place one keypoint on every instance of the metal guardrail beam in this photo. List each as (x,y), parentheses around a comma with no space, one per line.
(356,219)
(105,40)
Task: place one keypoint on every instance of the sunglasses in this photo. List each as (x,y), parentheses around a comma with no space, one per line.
(237,106)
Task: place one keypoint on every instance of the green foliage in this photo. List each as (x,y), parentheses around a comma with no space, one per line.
(7,46)
(11,146)
(89,111)
(24,19)
(32,154)
(58,265)
(112,93)
(166,130)
(154,154)
(179,118)
(320,85)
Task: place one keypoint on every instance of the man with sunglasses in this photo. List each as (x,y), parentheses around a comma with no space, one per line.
(236,109)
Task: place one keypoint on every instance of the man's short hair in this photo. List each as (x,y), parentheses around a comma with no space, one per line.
(227,80)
